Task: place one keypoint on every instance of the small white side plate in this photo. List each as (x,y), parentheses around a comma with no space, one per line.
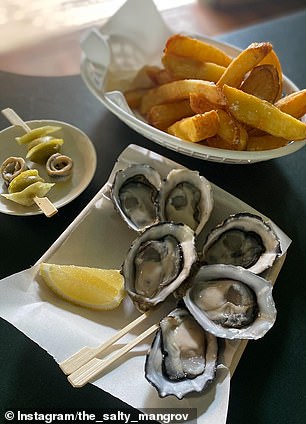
(76,145)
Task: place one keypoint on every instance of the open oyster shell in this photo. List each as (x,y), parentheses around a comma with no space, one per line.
(135,195)
(231,302)
(183,357)
(186,197)
(158,261)
(243,239)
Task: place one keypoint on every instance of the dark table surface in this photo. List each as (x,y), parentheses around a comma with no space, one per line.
(269,383)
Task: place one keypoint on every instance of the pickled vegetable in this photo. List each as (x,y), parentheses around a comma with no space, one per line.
(37,133)
(23,180)
(40,144)
(26,196)
(42,151)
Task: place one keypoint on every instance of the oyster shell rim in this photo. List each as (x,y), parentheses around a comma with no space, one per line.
(262,288)
(261,265)
(207,201)
(142,303)
(120,176)
(154,358)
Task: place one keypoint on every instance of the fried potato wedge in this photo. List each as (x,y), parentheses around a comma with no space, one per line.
(217,142)
(143,77)
(180,67)
(265,142)
(134,97)
(181,90)
(150,76)
(243,63)
(197,127)
(162,116)
(294,104)
(200,104)
(262,82)
(261,114)
(231,131)
(182,45)
(272,59)
(160,76)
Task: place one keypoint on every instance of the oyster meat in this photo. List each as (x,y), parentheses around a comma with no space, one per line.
(231,302)
(135,195)
(183,357)
(243,240)
(186,197)
(159,260)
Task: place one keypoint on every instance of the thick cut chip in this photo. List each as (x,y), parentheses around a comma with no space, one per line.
(272,59)
(265,142)
(263,115)
(162,116)
(263,82)
(243,63)
(181,90)
(134,97)
(92,288)
(143,78)
(294,104)
(200,104)
(182,45)
(197,127)
(231,131)
(217,142)
(180,67)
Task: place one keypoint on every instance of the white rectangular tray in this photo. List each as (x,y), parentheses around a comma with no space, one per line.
(98,237)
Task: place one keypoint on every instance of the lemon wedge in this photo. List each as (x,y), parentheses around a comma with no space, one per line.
(92,288)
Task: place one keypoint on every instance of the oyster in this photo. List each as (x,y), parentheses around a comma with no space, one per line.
(183,357)
(186,197)
(159,260)
(231,302)
(243,240)
(135,195)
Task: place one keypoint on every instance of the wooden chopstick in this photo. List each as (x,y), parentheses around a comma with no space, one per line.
(80,358)
(95,366)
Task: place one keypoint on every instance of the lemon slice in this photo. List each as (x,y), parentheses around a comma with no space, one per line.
(92,288)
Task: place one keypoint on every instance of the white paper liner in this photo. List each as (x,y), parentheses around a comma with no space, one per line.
(114,53)
(98,237)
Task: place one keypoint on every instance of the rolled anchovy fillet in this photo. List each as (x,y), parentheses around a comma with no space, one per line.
(12,167)
(59,165)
